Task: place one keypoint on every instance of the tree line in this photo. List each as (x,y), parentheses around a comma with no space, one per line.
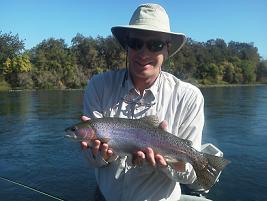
(52,64)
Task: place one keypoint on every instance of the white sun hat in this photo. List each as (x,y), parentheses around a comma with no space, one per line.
(152,18)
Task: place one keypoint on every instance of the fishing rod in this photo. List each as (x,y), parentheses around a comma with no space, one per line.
(30,188)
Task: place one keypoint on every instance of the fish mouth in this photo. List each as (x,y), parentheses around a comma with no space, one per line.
(71,135)
(71,132)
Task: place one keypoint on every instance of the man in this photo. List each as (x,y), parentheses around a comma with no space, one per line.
(140,90)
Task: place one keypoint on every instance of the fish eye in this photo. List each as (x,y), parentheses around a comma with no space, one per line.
(73,128)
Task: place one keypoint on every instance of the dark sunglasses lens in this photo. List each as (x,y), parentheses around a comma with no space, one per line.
(135,43)
(155,46)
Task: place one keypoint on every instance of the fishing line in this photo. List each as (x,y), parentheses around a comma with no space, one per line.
(30,188)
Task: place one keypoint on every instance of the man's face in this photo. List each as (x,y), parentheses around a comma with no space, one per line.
(146,55)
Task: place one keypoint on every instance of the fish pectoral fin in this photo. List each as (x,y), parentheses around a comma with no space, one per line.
(152,120)
(176,164)
(104,140)
(170,160)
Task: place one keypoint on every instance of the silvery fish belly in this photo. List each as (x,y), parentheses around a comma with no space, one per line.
(126,136)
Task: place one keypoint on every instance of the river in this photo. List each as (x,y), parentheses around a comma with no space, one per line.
(34,152)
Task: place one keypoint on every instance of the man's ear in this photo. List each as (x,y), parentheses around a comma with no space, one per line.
(166,54)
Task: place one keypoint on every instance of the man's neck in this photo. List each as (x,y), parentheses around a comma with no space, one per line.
(141,84)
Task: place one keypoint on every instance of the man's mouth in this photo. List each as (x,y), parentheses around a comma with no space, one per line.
(144,63)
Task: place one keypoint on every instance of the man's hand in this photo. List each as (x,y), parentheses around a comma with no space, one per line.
(155,159)
(97,146)
(150,156)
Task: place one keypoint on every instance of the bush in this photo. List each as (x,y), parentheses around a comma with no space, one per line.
(4,86)
(46,80)
(25,80)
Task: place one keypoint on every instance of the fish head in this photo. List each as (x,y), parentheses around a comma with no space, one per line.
(81,132)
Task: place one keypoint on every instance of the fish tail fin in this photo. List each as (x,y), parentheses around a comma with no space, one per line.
(207,174)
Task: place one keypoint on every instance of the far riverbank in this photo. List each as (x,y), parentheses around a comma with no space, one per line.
(198,85)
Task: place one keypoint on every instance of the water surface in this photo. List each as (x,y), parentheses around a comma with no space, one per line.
(34,152)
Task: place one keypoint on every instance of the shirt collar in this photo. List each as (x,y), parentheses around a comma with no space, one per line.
(155,87)
(150,93)
(128,84)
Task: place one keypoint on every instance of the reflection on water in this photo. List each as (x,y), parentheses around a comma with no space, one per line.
(33,150)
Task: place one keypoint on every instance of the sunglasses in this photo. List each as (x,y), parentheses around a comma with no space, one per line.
(152,45)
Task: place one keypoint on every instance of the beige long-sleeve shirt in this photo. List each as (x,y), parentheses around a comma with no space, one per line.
(179,103)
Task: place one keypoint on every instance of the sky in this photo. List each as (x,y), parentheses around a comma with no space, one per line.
(201,20)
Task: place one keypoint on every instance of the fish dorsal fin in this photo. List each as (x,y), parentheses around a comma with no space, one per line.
(152,120)
(188,142)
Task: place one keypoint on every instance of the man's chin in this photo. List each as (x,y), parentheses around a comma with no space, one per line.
(144,74)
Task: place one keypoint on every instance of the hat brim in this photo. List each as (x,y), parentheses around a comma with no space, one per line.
(177,40)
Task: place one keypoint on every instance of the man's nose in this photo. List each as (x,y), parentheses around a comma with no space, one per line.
(144,51)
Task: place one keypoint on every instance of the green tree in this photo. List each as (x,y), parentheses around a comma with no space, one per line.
(184,62)
(238,75)
(244,51)
(7,67)
(111,53)
(86,54)
(45,79)
(10,46)
(262,71)
(228,72)
(22,64)
(248,70)
(14,68)
(217,50)
(214,72)
(53,60)
(208,72)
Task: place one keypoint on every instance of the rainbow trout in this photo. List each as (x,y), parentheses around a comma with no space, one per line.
(126,136)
